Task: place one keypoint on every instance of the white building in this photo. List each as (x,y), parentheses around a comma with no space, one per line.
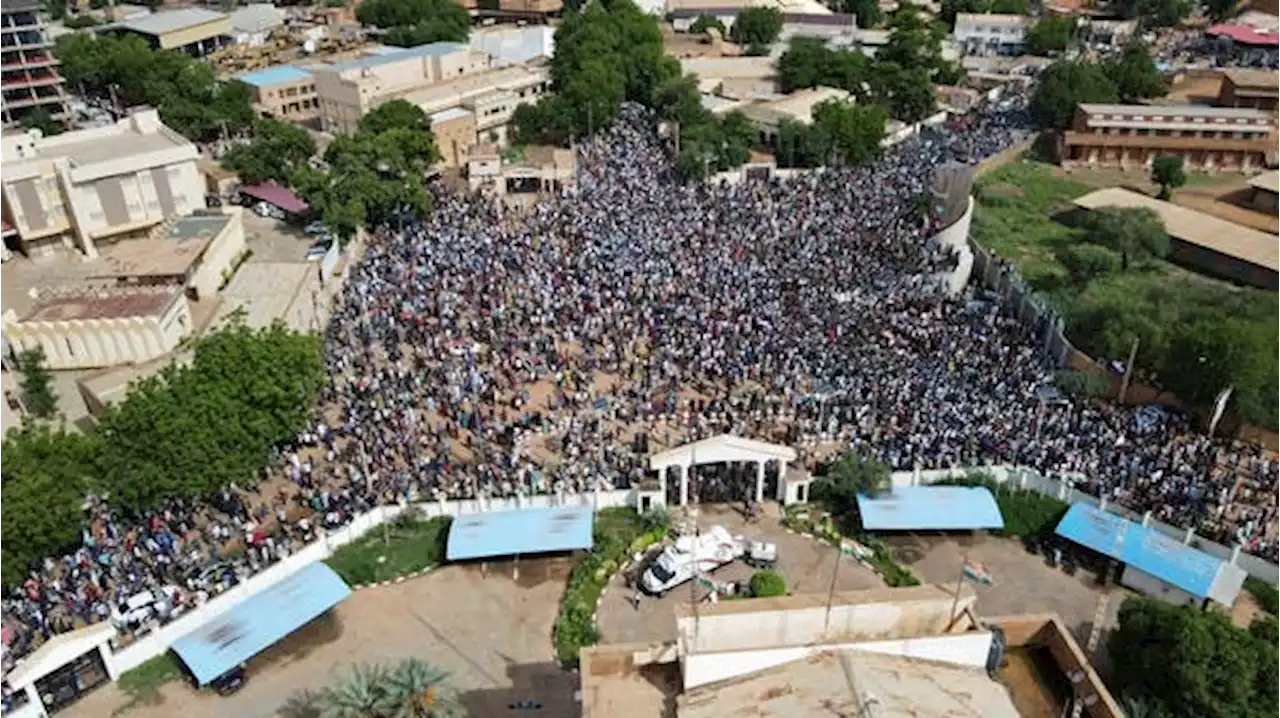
(77,188)
(991,34)
(515,45)
(252,24)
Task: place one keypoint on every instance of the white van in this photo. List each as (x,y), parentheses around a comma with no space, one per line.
(689,556)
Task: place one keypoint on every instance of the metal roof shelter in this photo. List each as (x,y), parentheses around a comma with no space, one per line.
(274,194)
(259,621)
(1153,553)
(523,531)
(931,508)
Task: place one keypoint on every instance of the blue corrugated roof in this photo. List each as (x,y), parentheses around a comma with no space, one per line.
(259,621)
(524,531)
(931,508)
(434,49)
(1143,548)
(274,76)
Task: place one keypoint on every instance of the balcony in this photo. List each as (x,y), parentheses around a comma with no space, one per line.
(1088,139)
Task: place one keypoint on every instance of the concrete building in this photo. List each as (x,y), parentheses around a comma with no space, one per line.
(348,90)
(455,131)
(195,31)
(80,188)
(991,34)
(1265,189)
(839,29)
(284,92)
(514,7)
(491,95)
(252,24)
(515,45)
(195,254)
(1201,241)
(29,78)
(739,78)
(1207,138)
(768,115)
(542,170)
(919,652)
(88,328)
(1258,89)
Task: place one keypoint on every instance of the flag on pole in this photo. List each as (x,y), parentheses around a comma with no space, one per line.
(978,573)
(1219,406)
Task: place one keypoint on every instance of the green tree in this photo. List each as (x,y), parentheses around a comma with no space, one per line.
(420,690)
(36,385)
(1166,171)
(396,114)
(705,22)
(1065,85)
(1085,262)
(767,584)
(80,22)
(1153,13)
(408,23)
(757,28)
(1135,74)
(1211,354)
(1219,10)
(868,12)
(409,689)
(1050,34)
(809,62)
(855,130)
(801,145)
(277,151)
(848,477)
(908,92)
(1136,233)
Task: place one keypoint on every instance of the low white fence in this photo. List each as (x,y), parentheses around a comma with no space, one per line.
(158,641)
(1064,490)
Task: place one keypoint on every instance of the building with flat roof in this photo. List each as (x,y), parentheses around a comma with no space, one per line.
(991,34)
(515,45)
(80,188)
(1264,190)
(284,92)
(918,652)
(455,131)
(1250,88)
(1202,241)
(768,115)
(1131,136)
(541,170)
(192,30)
(492,96)
(29,77)
(739,78)
(252,24)
(85,328)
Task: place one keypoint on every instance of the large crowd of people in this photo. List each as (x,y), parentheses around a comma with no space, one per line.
(488,351)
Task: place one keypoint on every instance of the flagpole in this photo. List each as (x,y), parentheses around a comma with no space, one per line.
(831,592)
(955,603)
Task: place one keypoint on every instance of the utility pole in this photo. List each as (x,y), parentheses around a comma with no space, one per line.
(831,590)
(955,602)
(1128,371)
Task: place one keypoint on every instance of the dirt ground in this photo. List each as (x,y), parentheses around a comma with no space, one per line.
(806,565)
(491,632)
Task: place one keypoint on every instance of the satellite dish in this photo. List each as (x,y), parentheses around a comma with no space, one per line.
(309,46)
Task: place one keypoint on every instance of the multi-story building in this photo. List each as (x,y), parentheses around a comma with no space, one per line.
(437,77)
(29,78)
(1207,138)
(1249,88)
(283,92)
(515,7)
(80,188)
(991,34)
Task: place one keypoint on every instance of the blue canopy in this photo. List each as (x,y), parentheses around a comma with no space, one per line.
(931,508)
(259,621)
(523,531)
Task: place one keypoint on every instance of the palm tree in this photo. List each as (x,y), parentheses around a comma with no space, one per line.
(361,693)
(418,689)
(303,704)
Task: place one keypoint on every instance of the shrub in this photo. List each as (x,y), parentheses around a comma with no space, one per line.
(765,584)
(407,545)
(1265,594)
(1026,513)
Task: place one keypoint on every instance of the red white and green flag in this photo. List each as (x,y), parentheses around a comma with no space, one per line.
(978,573)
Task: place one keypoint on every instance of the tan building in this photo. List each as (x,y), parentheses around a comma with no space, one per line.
(1265,192)
(1207,138)
(80,188)
(542,170)
(1258,89)
(283,92)
(348,90)
(491,96)
(192,30)
(90,328)
(540,7)
(797,107)
(455,131)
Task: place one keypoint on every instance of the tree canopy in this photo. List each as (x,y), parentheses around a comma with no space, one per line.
(277,150)
(1167,171)
(1153,13)
(409,689)
(867,12)
(406,23)
(706,22)
(185,91)
(1134,73)
(849,476)
(36,384)
(1064,85)
(757,28)
(1050,34)
(951,8)
(1135,233)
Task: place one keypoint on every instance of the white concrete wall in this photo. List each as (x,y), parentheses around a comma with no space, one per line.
(967,649)
(94,343)
(219,257)
(141,198)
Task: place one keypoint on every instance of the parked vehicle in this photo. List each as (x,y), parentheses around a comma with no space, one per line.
(762,554)
(317,251)
(689,556)
(229,682)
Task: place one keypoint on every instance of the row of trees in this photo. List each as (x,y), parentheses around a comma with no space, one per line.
(184,433)
(125,71)
(1130,77)
(410,688)
(841,132)
(406,23)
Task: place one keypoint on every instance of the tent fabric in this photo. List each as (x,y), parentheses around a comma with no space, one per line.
(931,508)
(259,621)
(279,196)
(1245,35)
(1141,547)
(523,531)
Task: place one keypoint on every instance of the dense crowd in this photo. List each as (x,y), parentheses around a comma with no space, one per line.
(487,351)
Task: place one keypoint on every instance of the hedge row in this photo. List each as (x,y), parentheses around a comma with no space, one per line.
(407,545)
(619,533)
(1026,513)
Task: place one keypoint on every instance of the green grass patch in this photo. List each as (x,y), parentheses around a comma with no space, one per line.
(1265,594)
(1026,513)
(619,532)
(144,681)
(407,545)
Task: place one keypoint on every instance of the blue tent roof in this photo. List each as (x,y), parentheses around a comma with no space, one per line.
(931,508)
(524,531)
(1145,549)
(259,621)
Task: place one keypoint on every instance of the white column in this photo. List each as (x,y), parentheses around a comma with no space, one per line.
(759,482)
(155,345)
(1235,554)
(1146,519)
(684,485)
(1188,536)
(78,347)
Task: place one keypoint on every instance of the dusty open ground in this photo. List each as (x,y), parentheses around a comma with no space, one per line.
(806,565)
(491,632)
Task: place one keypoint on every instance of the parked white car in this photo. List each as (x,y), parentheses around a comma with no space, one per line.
(690,556)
